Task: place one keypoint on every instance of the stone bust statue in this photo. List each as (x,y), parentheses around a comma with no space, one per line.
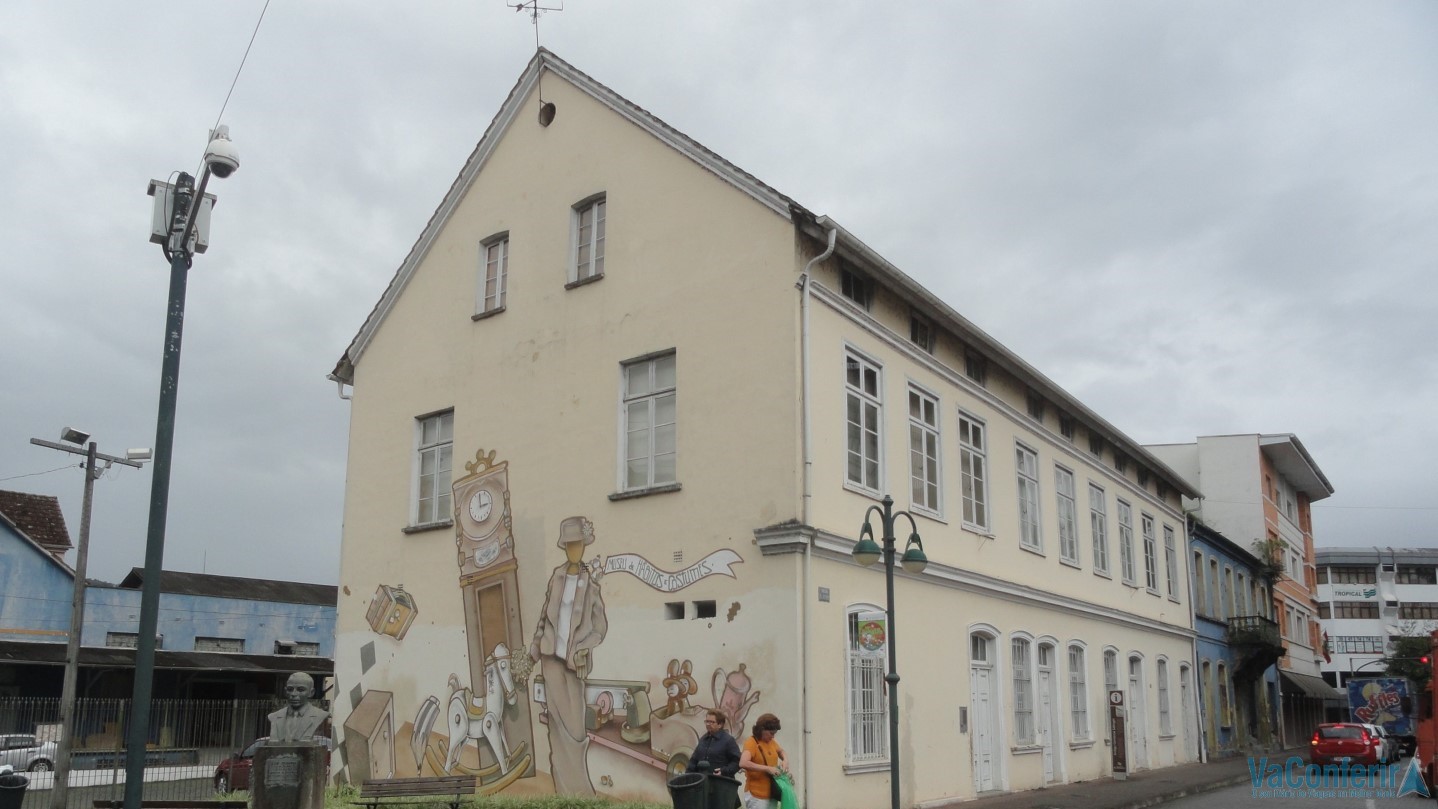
(300,720)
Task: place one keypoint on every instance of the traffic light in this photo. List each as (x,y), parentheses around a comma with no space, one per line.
(1425,660)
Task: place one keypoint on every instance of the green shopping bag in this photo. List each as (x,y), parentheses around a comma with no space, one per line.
(788,799)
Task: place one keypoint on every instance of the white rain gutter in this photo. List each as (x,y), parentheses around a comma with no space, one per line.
(808,492)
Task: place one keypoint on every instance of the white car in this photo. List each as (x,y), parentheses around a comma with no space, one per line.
(23,752)
(1387,745)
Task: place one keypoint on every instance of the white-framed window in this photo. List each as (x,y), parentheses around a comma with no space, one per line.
(1067,515)
(1150,553)
(1098,523)
(1170,560)
(974,470)
(1165,717)
(650,415)
(589,226)
(867,706)
(434,439)
(493,273)
(1125,543)
(1027,466)
(1078,694)
(1021,653)
(863,385)
(924,484)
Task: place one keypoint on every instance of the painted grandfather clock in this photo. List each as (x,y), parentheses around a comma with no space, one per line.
(498,655)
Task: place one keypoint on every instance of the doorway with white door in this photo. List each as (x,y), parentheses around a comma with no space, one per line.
(1050,729)
(984,706)
(1137,725)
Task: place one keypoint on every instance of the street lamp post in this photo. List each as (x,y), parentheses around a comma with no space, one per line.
(135,458)
(182,215)
(866,552)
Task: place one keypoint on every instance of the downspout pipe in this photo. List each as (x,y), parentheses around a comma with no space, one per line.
(805,278)
(1194,671)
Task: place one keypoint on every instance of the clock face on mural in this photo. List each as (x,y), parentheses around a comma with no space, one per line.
(481,504)
(483,509)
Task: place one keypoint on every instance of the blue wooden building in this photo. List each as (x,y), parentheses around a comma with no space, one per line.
(219,637)
(1238,645)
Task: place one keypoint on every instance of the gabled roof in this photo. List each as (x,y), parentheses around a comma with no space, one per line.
(38,518)
(546,62)
(818,227)
(202,584)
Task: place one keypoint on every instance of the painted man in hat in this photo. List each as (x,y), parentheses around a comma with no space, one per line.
(571,625)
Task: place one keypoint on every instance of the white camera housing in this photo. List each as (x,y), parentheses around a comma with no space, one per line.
(221,156)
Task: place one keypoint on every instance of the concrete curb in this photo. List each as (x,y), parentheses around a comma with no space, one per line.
(1183,792)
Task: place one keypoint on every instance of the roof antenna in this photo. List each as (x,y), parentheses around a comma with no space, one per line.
(546,108)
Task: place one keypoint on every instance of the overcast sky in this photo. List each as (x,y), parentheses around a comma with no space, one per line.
(1199,218)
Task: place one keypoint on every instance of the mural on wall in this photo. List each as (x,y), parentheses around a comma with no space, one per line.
(480,722)
(571,625)
(621,717)
(392,611)
(484,730)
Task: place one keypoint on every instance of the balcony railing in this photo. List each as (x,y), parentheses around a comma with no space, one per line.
(1256,644)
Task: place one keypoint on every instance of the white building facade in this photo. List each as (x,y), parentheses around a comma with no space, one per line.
(616,424)
(1367,597)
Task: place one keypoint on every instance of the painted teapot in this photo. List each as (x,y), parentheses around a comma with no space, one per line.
(733,695)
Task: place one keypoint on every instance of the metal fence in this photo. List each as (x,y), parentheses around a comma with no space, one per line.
(188,739)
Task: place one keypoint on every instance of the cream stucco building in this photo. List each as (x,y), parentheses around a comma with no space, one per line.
(616,423)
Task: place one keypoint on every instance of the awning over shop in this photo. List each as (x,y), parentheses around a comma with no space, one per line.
(1306,685)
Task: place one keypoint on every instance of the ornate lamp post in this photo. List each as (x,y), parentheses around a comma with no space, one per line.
(866,552)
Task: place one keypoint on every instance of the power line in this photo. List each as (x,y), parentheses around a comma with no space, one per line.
(46,472)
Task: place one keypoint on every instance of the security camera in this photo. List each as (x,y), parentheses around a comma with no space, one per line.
(221,156)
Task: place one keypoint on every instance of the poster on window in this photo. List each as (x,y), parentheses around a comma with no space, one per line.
(871,632)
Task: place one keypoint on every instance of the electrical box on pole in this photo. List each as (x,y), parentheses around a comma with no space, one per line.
(163,217)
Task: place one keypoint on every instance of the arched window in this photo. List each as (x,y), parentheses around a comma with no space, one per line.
(1021,650)
(1165,718)
(866,707)
(1225,706)
(1078,693)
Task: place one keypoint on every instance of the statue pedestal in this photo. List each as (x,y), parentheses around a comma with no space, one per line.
(289,775)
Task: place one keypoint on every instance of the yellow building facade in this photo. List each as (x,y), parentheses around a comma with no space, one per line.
(616,423)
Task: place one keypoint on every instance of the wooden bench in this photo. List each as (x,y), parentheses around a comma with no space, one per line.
(452,788)
(195,804)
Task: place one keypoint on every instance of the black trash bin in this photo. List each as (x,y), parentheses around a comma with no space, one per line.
(722,792)
(12,790)
(686,790)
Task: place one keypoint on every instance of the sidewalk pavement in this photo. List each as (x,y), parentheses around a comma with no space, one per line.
(1138,791)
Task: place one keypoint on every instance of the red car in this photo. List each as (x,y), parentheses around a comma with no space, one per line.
(1344,743)
(233,774)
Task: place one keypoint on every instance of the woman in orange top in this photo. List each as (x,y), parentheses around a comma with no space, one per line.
(762,759)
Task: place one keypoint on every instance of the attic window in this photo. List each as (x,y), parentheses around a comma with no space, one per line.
(976,367)
(1067,427)
(1120,463)
(921,332)
(1095,444)
(1035,404)
(856,288)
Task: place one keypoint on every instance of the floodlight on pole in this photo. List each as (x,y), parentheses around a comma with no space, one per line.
(180,225)
(58,792)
